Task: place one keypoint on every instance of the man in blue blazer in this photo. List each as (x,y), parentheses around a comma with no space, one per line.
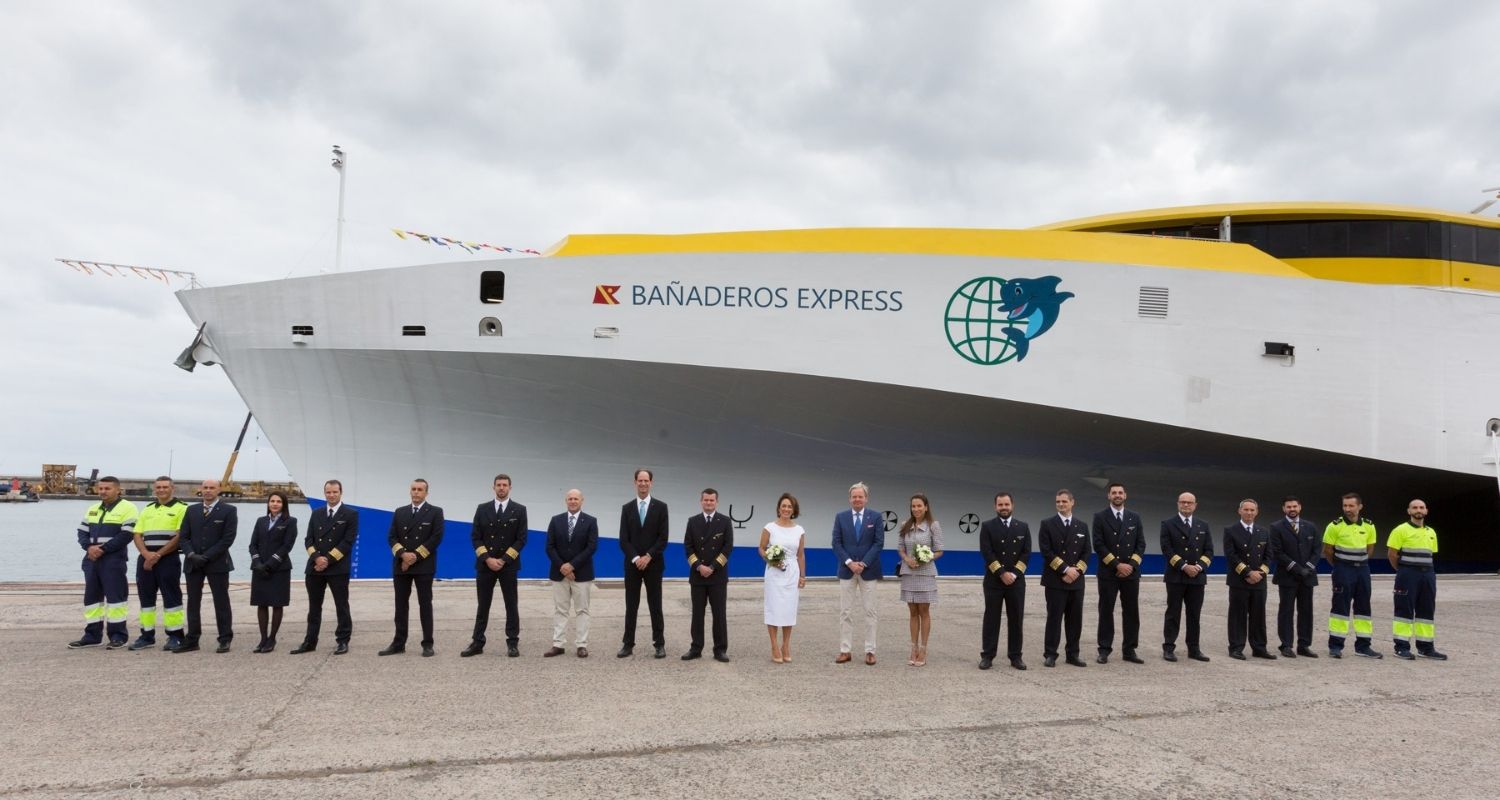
(858,537)
(572,538)
(206,535)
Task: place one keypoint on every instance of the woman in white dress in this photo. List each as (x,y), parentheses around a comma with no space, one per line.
(785,577)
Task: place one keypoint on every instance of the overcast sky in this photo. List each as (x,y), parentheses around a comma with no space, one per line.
(196,136)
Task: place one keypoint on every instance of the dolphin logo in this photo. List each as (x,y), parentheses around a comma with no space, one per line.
(1033,301)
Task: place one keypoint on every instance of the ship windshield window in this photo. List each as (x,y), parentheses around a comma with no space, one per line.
(1461,242)
(1409,239)
(1369,239)
(1330,238)
(1289,240)
(1487,246)
(492,286)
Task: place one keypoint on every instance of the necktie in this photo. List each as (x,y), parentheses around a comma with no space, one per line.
(1067,523)
(330,512)
(572,520)
(643,512)
(1188,521)
(707,519)
(1006,522)
(1120,515)
(415,509)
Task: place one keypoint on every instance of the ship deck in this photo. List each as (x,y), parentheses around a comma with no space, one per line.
(97,723)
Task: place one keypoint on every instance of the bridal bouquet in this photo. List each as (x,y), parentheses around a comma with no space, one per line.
(922,553)
(776,556)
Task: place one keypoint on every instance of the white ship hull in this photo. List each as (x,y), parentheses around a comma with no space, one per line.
(1388,394)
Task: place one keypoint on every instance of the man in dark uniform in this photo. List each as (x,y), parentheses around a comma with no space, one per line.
(498,537)
(1064,542)
(1189,549)
(207,532)
(1005,544)
(1247,553)
(643,539)
(330,539)
(709,541)
(416,532)
(1297,545)
(1120,542)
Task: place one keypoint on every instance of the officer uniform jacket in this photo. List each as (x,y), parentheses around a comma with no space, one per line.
(1116,541)
(419,533)
(708,543)
(1004,549)
(273,543)
(1246,552)
(1063,547)
(209,534)
(1182,546)
(1303,546)
(331,536)
(499,534)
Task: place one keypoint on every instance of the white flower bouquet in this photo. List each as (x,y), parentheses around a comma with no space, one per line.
(776,556)
(922,553)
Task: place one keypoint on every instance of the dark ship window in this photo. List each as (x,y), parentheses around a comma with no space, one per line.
(492,286)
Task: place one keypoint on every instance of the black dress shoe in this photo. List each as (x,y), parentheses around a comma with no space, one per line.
(1236,655)
(625,651)
(341,648)
(1168,655)
(1049,661)
(1017,663)
(222,648)
(270,646)
(986,663)
(1306,652)
(661,651)
(474,649)
(1287,652)
(1075,661)
(394,649)
(427,651)
(1197,655)
(260,648)
(722,658)
(512,651)
(1133,658)
(187,647)
(692,654)
(1103,658)
(1266,654)
(305,647)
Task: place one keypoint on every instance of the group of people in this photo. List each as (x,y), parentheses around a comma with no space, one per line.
(174,537)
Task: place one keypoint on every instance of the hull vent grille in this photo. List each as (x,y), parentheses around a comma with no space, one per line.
(413,330)
(1152,303)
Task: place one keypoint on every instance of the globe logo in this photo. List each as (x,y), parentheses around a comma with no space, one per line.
(993,320)
(976,322)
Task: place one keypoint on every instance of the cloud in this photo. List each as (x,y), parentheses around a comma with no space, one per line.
(197,137)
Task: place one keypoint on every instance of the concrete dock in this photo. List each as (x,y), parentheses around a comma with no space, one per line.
(97,723)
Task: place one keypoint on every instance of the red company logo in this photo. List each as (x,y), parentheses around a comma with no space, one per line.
(605,295)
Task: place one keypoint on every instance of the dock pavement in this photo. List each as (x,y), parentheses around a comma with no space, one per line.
(116,724)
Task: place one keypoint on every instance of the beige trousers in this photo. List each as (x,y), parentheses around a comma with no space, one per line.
(856,592)
(570,598)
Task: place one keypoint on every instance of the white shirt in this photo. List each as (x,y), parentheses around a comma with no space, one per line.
(208,508)
(1066,521)
(500,505)
(858,520)
(417,507)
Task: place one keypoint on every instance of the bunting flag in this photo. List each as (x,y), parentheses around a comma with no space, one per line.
(108,270)
(471,247)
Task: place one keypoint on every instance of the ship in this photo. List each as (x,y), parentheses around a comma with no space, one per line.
(1251,350)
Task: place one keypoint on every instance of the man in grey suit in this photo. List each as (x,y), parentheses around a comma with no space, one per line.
(858,536)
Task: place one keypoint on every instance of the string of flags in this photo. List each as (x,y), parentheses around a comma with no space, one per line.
(126,270)
(471,247)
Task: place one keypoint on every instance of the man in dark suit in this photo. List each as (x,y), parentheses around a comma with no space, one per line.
(498,538)
(858,537)
(1005,544)
(1064,542)
(1296,544)
(643,539)
(206,535)
(331,536)
(416,531)
(709,541)
(572,538)
(1189,549)
(1120,542)
(1247,554)
(572,541)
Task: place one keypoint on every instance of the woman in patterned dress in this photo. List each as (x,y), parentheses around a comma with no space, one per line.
(919,580)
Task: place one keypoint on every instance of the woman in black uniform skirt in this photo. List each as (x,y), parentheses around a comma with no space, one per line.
(271,568)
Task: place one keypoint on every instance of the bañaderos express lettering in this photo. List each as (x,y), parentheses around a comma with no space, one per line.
(806,297)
